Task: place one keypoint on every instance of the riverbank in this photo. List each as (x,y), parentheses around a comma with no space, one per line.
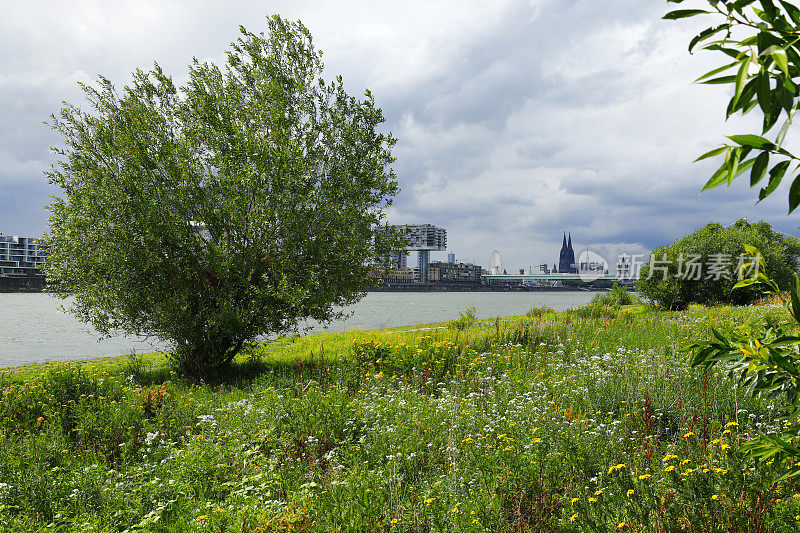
(34,328)
(567,421)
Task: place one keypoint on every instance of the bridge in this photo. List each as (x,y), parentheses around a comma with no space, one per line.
(554,277)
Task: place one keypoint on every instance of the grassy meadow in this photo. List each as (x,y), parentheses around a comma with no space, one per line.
(586,420)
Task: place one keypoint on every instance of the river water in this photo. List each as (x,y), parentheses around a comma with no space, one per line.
(33,328)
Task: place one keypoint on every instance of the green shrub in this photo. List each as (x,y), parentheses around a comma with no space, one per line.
(465,321)
(674,289)
(537,312)
(618,295)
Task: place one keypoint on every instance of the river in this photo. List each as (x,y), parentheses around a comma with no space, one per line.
(33,329)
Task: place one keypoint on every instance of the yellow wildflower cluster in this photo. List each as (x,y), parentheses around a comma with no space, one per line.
(616,468)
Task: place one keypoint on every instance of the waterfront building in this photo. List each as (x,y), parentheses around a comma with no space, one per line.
(441,272)
(394,276)
(20,256)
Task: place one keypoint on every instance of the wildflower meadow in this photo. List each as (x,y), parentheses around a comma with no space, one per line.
(585,420)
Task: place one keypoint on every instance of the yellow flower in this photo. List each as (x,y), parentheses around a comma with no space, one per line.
(644,476)
(592,500)
(630,492)
(219,510)
(715,441)
(40,419)
(429,501)
(476,521)
(715,497)
(537,440)
(724,447)
(573,517)
(670,457)
(689,434)
(394,520)
(455,510)
(598,492)
(621,525)
(731,424)
(686,461)
(670,468)
(574,500)
(201,517)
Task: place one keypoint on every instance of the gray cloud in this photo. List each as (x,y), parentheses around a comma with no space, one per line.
(516,120)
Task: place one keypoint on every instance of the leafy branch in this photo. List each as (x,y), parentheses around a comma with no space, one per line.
(766,63)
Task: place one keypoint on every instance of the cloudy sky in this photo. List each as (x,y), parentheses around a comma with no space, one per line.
(515,120)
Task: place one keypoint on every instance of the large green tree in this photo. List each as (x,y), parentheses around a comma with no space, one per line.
(236,205)
(702,267)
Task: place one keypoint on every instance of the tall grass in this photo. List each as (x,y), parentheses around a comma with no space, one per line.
(552,421)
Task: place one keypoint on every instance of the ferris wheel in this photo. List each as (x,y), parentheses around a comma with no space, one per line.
(495,263)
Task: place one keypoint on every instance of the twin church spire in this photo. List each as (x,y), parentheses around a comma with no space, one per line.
(566,259)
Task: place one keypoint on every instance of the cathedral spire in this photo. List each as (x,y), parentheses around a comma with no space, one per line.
(564,245)
(569,243)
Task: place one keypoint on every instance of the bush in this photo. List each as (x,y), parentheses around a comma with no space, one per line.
(618,295)
(538,312)
(722,246)
(465,321)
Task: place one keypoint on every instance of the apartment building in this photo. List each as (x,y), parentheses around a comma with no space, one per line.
(20,256)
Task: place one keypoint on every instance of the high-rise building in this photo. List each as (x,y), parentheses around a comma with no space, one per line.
(423,239)
(20,256)
(451,258)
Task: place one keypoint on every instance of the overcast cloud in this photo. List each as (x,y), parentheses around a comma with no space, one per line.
(515,120)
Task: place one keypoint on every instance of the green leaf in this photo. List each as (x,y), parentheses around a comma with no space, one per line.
(783,131)
(730,52)
(780,59)
(712,153)
(705,34)
(759,168)
(739,168)
(794,196)
(763,90)
(775,177)
(718,178)
(683,13)
(751,250)
(716,71)
(753,141)
(794,13)
(734,164)
(740,77)
(774,114)
(719,81)
(745,283)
